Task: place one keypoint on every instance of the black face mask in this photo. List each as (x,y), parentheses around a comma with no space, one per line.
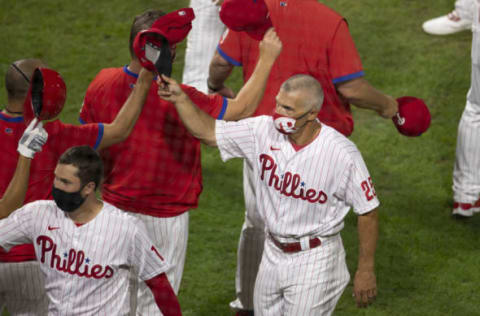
(67,201)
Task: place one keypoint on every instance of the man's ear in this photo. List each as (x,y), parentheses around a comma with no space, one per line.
(89,188)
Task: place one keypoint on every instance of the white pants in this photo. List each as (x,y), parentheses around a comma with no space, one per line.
(466,173)
(22,289)
(308,282)
(465,9)
(201,43)
(170,235)
(250,245)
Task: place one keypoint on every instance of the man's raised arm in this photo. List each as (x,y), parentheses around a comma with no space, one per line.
(125,120)
(248,98)
(198,123)
(31,142)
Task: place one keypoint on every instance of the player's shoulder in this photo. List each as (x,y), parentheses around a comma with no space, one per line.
(119,216)
(106,76)
(40,206)
(338,141)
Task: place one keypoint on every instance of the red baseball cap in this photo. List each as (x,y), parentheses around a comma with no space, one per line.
(46,95)
(173,27)
(413,117)
(250,16)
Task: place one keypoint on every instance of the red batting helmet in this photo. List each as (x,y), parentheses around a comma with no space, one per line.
(413,117)
(46,95)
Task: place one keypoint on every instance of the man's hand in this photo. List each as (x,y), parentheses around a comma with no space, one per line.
(389,111)
(33,138)
(169,89)
(270,46)
(364,288)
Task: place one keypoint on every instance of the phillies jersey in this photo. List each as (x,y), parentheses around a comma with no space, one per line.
(87,266)
(156,171)
(318,44)
(300,191)
(60,137)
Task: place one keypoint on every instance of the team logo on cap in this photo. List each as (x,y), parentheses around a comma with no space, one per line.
(181,13)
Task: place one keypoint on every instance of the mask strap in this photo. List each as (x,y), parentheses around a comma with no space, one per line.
(21,72)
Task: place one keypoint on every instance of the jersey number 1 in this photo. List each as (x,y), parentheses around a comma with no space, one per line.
(367,187)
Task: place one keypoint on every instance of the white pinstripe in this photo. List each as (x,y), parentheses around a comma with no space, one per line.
(304,283)
(86,268)
(170,236)
(333,178)
(466,174)
(201,43)
(23,289)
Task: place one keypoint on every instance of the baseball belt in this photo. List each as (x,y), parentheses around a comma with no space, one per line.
(292,247)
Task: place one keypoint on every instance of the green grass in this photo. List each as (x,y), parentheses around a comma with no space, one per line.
(427,262)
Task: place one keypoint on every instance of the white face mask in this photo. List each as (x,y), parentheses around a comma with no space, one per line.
(285,124)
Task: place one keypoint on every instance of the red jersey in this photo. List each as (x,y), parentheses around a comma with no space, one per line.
(316,41)
(157,170)
(60,137)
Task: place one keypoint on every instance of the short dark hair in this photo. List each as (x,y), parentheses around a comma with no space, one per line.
(15,82)
(142,22)
(88,162)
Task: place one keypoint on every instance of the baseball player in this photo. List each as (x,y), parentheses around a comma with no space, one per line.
(86,247)
(316,42)
(466,173)
(21,282)
(307,177)
(201,42)
(166,183)
(460,19)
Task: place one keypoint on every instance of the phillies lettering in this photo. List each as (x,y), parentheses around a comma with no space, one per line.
(290,183)
(74,263)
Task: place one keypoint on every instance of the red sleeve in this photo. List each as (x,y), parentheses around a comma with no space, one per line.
(344,60)
(229,47)
(213,104)
(164,295)
(63,136)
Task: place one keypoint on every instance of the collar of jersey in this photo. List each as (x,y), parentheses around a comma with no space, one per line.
(18,119)
(130,73)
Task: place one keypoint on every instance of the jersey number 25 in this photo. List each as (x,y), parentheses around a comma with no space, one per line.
(367,187)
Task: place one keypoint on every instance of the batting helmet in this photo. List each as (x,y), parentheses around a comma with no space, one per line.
(46,95)
(413,117)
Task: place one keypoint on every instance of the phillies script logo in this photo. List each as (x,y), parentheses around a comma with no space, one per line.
(74,263)
(289,183)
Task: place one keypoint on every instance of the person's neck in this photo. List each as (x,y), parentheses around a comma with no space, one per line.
(87,211)
(134,66)
(13,109)
(307,133)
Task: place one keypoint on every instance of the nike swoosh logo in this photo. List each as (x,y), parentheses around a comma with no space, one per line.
(52,228)
(274,148)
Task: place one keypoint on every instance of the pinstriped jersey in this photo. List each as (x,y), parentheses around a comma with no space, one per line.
(86,267)
(301,192)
